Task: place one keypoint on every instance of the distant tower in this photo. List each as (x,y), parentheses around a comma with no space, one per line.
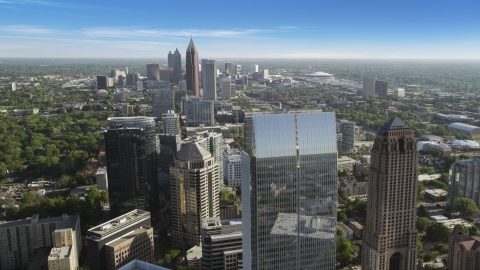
(192,69)
(226,87)
(381,88)
(390,236)
(254,68)
(153,72)
(209,79)
(195,193)
(163,101)
(368,86)
(126,70)
(175,63)
(228,69)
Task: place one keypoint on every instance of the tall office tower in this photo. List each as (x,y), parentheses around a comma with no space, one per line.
(163,101)
(232,161)
(237,69)
(245,79)
(228,69)
(114,74)
(290,167)
(368,86)
(209,79)
(253,68)
(195,193)
(463,252)
(225,87)
(198,111)
(222,244)
(102,82)
(126,70)
(266,75)
(121,240)
(153,72)
(192,69)
(175,62)
(390,236)
(464,181)
(381,88)
(130,148)
(132,79)
(170,123)
(347,128)
(19,238)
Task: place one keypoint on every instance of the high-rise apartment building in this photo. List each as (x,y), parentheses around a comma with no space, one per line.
(290,167)
(19,239)
(119,241)
(102,82)
(162,101)
(390,236)
(209,79)
(463,251)
(226,88)
(198,111)
(368,86)
(192,69)
(222,244)
(195,193)
(228,69)
(169,146)
(153,72)
(464,181)
(175,62)
(130,148)
(347,128)
(381,88)
(170,123)
(232,165)
(253,68)
(237,69)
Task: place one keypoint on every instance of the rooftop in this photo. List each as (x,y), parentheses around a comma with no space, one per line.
(141,265)
(192,150)
(118,224)
(308,227)
(128,236)
(59,253)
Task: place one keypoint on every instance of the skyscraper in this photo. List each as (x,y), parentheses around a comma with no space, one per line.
(290,167)
(228,69)
(102,82)
(390,236)
(381,88)
(368,86)
(153,72)
(195,193)
(170,123)
(254,68)
(163,101)
(237,69)
(226,88)
(209,79)
(130,148)
(464,181)
(175,62)
(191,69)
(198,111)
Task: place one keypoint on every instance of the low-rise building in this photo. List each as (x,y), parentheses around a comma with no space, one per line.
(351,186)
(347,232)
(463,252)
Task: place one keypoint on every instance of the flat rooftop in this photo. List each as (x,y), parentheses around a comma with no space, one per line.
(309,226)
(118,223)
(59,253)
(129,236)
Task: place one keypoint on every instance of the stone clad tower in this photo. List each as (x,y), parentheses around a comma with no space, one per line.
(191,69)
(390,236)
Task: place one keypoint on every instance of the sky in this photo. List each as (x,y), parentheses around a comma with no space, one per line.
(354,29)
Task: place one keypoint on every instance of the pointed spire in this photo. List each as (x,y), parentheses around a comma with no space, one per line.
(191,46)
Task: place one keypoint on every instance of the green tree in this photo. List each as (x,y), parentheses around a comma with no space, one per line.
(225,196)
(473,230)
(438,232)
(421,189)
(466,207)
(170,255)
(461,228)
(422,224)
(63,181)
(345,250)
(341,216)
(419,243)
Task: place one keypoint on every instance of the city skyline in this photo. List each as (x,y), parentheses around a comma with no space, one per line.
(57,29)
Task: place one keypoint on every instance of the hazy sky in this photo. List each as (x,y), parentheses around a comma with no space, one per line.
(237,29)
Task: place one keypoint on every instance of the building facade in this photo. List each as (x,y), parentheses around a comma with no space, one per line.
(226,88)
(464,181)
(175,63)
(222,244)
(232,164)
(19,239)
(381,88)
(195,193)
(463,251)
(163,101)
(119,241)
(130,149)
(191,69)
(170,123)
(390,235)
(102,82)
(209,79)
(347,128)
(198,112)
(228,69)
(368,86)
(153,72)
(289,215)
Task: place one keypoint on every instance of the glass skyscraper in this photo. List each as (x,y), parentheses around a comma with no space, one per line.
(290,167)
